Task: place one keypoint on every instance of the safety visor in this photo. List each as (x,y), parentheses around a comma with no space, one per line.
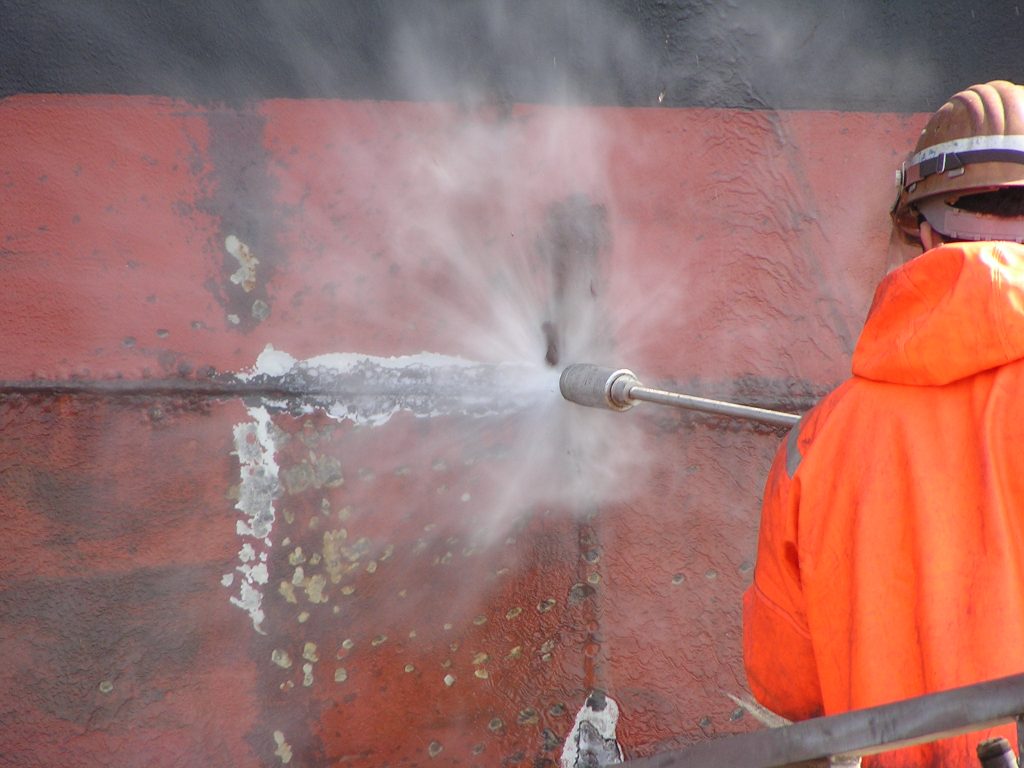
(959,224)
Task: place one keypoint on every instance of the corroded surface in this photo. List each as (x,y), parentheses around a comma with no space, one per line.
(448,587)
(116,651)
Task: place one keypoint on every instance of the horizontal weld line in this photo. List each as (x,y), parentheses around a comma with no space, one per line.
(213,389)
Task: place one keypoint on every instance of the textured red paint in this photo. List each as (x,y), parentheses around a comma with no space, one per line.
(741,252)
(103,245)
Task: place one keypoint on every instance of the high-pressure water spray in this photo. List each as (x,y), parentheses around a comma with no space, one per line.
(620,389)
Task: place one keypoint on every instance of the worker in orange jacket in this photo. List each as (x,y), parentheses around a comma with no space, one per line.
(891,552)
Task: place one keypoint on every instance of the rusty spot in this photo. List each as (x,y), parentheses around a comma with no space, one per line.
(338,557)
(551,339)
(283,749)
(527,716)
(316,472)
(579,592)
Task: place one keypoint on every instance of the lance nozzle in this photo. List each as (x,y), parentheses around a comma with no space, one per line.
(619,389)
(598,387)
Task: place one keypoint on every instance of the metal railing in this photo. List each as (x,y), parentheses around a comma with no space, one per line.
(860,732)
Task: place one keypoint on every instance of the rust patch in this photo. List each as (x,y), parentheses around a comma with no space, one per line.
(245,275)
(575,238)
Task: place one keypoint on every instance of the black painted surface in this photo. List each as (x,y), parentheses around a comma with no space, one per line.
(875,55)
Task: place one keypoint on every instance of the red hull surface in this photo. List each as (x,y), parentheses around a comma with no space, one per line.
(197,573)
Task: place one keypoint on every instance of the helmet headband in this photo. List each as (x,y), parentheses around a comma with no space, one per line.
(951,156)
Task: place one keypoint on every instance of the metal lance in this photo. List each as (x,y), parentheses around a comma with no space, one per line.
(620,389)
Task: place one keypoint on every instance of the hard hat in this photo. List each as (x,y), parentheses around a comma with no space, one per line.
(974,143)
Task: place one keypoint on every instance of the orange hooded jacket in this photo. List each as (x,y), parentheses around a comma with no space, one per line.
(892,535)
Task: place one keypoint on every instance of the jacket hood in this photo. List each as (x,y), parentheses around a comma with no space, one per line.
(949,313)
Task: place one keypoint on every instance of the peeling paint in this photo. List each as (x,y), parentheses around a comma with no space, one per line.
(592,742)
(287,591)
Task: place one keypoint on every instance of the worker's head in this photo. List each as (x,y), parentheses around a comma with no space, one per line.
(965,178)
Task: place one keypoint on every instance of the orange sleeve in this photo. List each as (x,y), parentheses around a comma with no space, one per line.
(777,651)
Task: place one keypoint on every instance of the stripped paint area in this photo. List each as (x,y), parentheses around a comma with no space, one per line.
(420,591)
(369,390)
(254,446)
(282,748)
